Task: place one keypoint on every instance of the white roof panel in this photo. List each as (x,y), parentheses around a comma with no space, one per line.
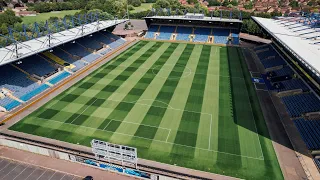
(34,46)
(300,43)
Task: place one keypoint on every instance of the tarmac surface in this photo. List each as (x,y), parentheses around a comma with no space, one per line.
(13,170)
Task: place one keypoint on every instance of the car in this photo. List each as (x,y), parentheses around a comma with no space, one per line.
(88,178)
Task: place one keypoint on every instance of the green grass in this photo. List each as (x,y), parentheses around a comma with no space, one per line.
(46,16)
(143,7)
(184,104)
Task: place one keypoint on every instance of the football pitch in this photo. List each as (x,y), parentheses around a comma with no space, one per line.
(184,104)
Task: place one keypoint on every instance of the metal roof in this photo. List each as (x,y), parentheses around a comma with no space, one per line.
(298,37)
(187,18)
(24,49)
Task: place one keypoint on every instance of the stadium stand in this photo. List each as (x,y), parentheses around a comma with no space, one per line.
(269,57)
(42,67)
(90,42)
(297,105)
(15,76)
(221,36)
(273,62)
(310,132)
(235,37)
(12,105)
(59,77)
(285,71)
(292,84)
(150,33)
(100,37)
(5,101)
(165,32)
(17,82)
(201,34)
(34,92)
(76,49)
(183,33)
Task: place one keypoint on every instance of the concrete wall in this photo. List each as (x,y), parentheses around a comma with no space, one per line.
(34,149)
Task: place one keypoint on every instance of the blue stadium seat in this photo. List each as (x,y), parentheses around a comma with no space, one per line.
(152,29)
(90,42)
(76,49)
(235,37)
(273,62)
(183,33)
(16,81)
(36,65)
(201,34)
(12,105)
(297,105)
(285,71)
(91,57)
(34,92)
(310,132)
(270,58)
(221,36)
(101,37)
(6,100)
(165,32)
(292,84)
(59,77)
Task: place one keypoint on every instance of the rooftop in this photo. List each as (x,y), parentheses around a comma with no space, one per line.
(196,18)
(299,38)
(13,53)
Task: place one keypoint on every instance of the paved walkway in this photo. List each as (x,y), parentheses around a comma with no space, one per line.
(46,168)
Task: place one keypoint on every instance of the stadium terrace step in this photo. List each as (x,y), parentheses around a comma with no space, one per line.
(201,34)
(12,105)
(55,58)
(310,132)
(165,32)
(149,34)
(183,33)
(297,105)
(35,92)
(59,77)
(42,68)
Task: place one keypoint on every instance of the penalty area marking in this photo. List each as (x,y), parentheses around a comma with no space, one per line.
(203,149)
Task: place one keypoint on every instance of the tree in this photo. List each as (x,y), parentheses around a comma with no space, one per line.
(213,3)
(248,5)
(294,4)
(161,4)
(130,7)
(192,1)
(18,27)
(4,29)
(230,6)
(135,3)
(173,4)
(225,3)
(234,3)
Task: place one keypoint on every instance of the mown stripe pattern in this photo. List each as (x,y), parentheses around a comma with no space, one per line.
(138,99)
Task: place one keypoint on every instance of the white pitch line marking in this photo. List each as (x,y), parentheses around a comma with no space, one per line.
(84,111)
(154,140)
(168,136)
(210,129)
